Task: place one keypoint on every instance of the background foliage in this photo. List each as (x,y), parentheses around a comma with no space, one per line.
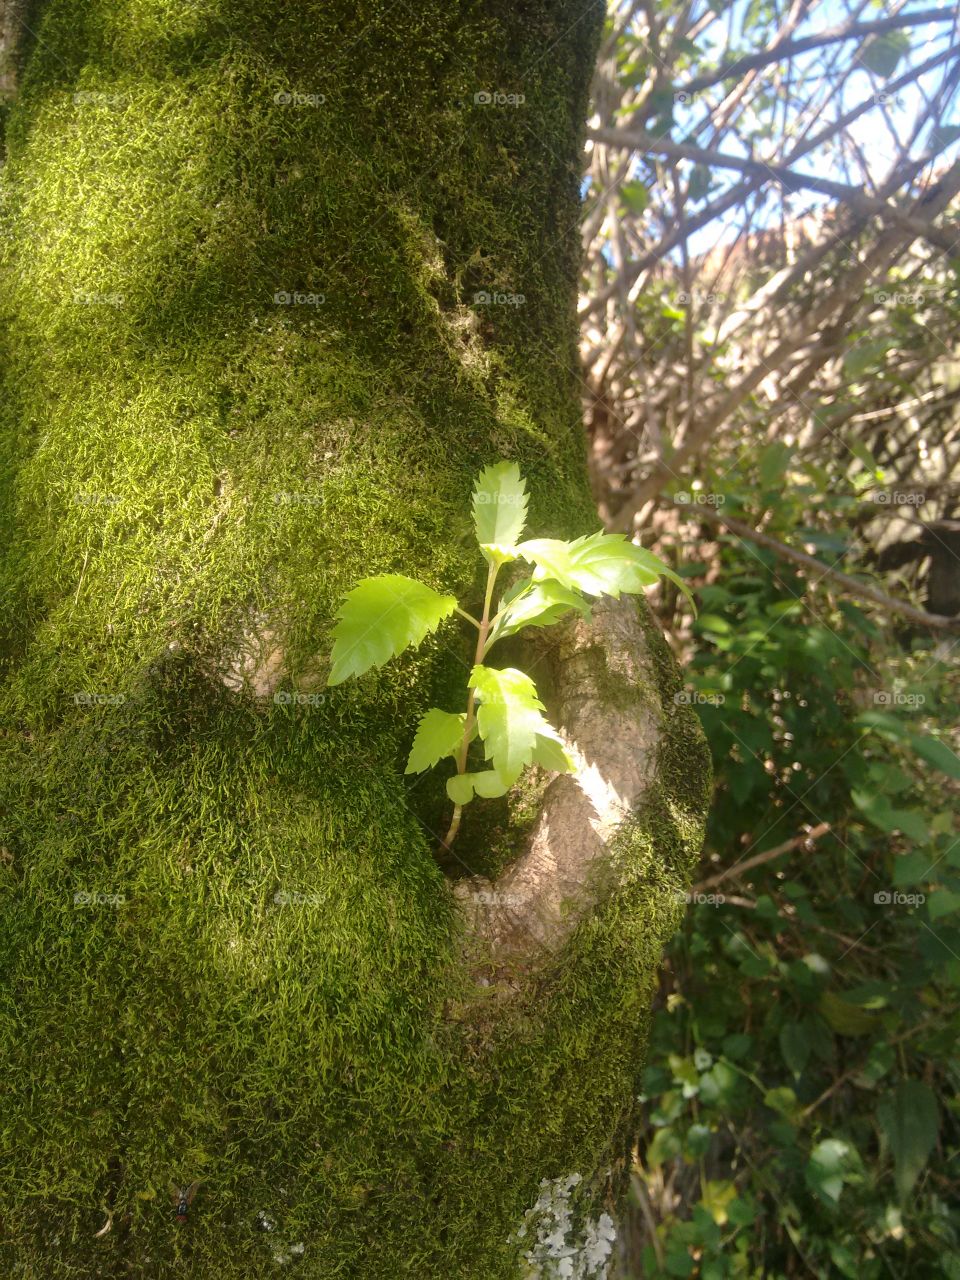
(770,319)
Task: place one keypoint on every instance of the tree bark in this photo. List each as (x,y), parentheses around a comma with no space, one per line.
(278,280)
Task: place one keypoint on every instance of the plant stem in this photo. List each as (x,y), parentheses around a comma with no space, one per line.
(469,616)
(471,718)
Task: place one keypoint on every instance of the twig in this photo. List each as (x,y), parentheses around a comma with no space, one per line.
(855,197)
(790,48)
(759,859)
(935,621)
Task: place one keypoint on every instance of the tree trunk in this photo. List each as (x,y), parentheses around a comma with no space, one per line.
(279,280)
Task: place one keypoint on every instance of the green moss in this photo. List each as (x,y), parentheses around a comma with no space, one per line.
(255,989)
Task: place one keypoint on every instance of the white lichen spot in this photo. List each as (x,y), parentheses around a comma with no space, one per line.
(284,1254)
(568,1245)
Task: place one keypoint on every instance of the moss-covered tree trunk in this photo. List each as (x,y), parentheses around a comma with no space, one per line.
(279,278)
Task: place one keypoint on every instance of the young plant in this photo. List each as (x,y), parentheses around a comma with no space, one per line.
(384,615)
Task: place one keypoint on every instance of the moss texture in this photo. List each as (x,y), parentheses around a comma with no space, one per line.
(228,949)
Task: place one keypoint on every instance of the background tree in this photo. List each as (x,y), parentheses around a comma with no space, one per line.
(278,281)
(770,339)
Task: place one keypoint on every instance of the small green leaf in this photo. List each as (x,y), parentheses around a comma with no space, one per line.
(380,618)
(910,1121)
(829,1167)
(635,197)
(881,53)
(439,734)
(942,135)
(489,784)
(509,718)
(846,1018)
(537,604)
(781,1099)
(460,788)
(773,465)
(499,509)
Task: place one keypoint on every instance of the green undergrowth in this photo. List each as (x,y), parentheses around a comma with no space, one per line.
(227,945)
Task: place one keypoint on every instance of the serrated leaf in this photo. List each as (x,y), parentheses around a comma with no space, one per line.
(460,788)
(509,718)
(550,753)
(598,564)
(538,604)
(380,618)
(499,509)
(910,1121)
(439,734)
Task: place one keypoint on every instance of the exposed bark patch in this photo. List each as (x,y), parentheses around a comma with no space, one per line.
(258,664)
(606,709)
(11,12)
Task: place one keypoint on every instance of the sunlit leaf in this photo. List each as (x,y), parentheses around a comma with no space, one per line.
(439,734)
(509,717)
(380,618)
(537,604)
(460,788)
(499,509)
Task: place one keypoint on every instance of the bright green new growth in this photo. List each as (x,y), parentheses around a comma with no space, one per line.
(384,615)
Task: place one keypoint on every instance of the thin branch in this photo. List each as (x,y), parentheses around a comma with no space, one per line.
(863,590)
(637,140)
(790,48)
(759,859)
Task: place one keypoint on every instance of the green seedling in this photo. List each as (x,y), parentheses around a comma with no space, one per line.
(384,615)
